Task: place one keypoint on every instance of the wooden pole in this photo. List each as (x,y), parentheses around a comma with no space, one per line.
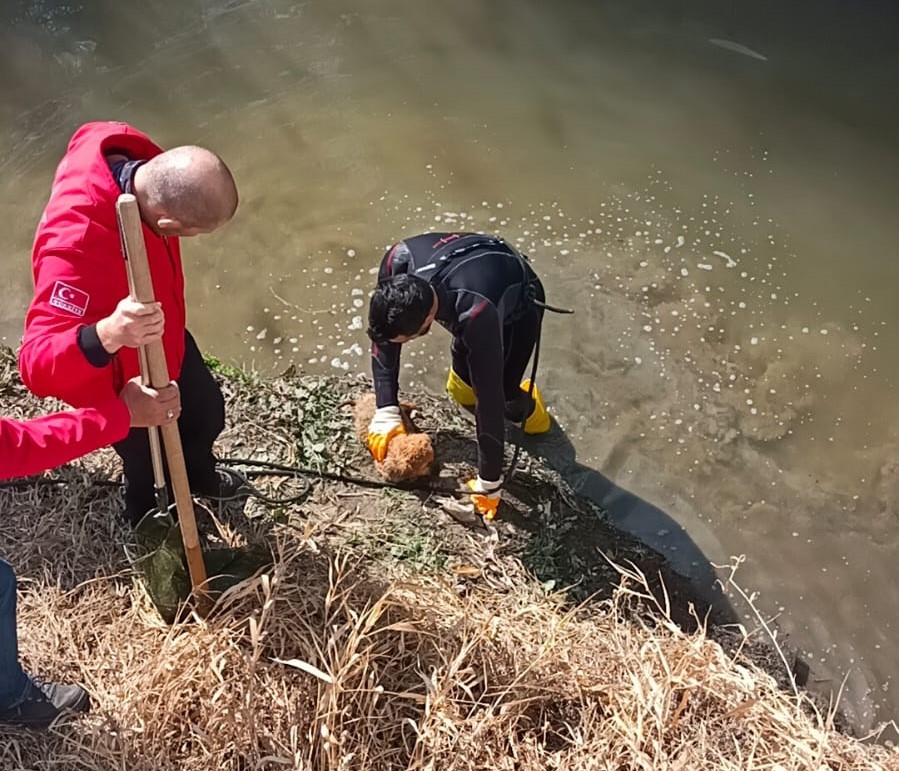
(141,283)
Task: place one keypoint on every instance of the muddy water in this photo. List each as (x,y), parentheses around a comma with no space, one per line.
(712,188)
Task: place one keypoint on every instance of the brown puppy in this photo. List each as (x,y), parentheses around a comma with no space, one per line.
(409,455)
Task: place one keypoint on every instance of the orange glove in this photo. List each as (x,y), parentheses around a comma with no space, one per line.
(486,497)
(386,424)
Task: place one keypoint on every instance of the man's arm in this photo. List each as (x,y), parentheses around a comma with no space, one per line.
(70,293)
(483,336)
(385,371)
(31,446)
(385,357)
(69,339)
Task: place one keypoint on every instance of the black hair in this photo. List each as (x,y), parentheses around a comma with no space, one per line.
(399,307)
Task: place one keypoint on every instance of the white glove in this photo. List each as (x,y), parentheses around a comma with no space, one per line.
(485,497)
(386,423)
(385,420)
(485,488)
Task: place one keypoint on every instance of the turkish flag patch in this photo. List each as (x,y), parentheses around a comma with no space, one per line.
(67,298)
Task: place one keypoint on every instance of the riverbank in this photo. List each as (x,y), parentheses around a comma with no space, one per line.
(387,633)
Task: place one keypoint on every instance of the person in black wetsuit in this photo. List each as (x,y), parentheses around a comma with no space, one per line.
(485,293)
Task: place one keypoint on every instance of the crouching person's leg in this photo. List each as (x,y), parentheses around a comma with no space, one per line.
(202,420)
(137,466)
(458,381)
(524,402)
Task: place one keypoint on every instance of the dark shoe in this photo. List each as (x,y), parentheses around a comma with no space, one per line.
(231,486)
(518,409)
(44,702)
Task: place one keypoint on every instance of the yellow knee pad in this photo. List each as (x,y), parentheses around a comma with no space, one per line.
(538,421)
(459,390)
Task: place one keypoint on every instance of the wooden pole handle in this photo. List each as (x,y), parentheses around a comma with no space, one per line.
(140,283)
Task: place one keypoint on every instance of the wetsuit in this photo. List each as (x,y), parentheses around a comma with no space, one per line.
(483,287)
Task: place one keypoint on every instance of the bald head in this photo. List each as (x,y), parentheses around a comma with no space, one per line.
(185,191)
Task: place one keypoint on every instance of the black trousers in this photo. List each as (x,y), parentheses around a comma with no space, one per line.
(519,339)
(202,420)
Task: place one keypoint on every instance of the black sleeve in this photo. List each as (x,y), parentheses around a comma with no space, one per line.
(385,372)
(483,336)
(385,357)
(91,347)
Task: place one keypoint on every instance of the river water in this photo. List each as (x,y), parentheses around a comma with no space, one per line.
(711,186)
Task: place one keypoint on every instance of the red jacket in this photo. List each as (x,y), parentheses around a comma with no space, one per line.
(79,274)
(29,447)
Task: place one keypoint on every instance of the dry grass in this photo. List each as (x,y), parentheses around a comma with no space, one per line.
(313,667)
(327,662)
(317,665)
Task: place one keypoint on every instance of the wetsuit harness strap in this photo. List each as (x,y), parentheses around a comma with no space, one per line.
(529,296)
(530,290)
(550,308)
(445,260)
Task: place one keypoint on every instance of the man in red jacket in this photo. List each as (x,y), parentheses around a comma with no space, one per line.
(79,343)
(28,447)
